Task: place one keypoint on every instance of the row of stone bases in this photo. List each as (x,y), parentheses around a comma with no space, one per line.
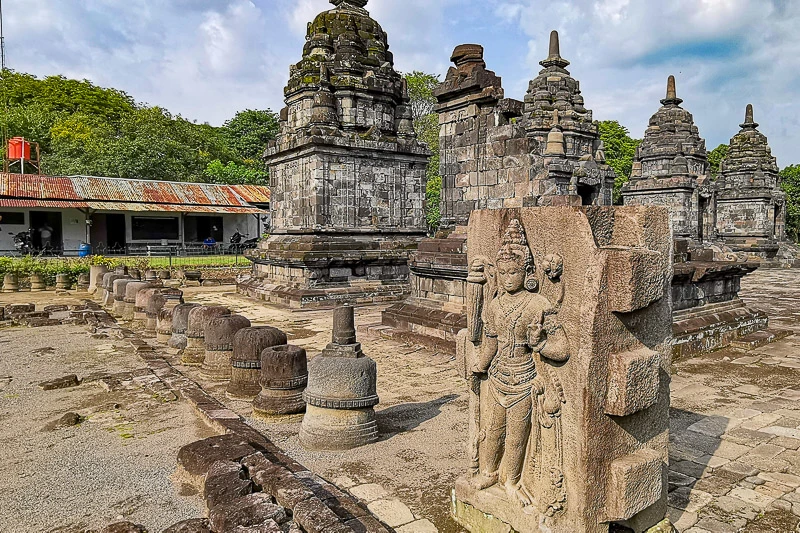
(336,391)
(562,309)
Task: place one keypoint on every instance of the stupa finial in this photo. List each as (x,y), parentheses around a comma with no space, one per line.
(352,3)
(672,93)
(749,122)
(554,58)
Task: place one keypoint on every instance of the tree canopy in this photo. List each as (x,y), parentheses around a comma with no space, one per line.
(715,157)
(426,126)
(89,130)
(790,183)
(620,149)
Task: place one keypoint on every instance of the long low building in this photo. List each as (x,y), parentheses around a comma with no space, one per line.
(114,214)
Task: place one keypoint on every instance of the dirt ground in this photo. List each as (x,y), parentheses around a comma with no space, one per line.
(120,460)
(116,464)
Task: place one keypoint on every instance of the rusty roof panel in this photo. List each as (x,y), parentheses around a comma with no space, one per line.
(100,190)
(60,204)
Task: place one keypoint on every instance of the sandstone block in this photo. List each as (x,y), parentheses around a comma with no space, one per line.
(635,483)
(633,381)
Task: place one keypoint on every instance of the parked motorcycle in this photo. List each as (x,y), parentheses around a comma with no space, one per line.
(237,246)
(23,242)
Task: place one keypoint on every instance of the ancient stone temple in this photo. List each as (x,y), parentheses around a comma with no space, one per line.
(347,173)
(671,169)
(751,214)
(499,152)
(566,357)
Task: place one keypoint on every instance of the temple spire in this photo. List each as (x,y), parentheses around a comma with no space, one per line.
(672,93)
(749,123)
(554,58)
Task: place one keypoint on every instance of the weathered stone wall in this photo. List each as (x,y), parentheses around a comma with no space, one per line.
(351,189)
(498,152)
(678,195)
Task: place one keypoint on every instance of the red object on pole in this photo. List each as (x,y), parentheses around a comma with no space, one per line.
(19,149)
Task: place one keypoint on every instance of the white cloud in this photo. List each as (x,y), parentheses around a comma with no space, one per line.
(206,59)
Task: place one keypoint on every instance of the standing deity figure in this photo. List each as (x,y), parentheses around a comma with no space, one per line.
(517,336)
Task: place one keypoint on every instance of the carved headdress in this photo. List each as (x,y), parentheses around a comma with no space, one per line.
(514,248)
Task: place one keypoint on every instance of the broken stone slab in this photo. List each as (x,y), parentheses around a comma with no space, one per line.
(255,509)
(198,457)
(15,309)
(195,525)
(226,481)
(65,382)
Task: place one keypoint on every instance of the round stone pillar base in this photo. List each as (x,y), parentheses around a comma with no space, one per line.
(195,351)
(338,429)
(244,383)
(217,365)
(272,402)
(117,308)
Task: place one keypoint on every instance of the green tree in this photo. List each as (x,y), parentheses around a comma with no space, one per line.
(790,183)
(234,174)
(249,131)
(620,149)
(715,157)
(85,129)
(426,126)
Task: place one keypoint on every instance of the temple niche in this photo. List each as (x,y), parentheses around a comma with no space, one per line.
(751,214)
(566,358)
(347,173)
(497,152)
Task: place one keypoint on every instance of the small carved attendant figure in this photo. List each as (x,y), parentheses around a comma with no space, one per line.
(518,332)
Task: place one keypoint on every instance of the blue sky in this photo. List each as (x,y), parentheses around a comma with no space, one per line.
(206,59)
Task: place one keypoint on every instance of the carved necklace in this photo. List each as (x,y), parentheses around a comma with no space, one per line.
(508,311)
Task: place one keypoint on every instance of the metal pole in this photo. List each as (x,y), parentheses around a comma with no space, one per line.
(2,40)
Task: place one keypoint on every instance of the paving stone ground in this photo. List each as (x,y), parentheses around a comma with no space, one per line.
(735,427)
(735,453)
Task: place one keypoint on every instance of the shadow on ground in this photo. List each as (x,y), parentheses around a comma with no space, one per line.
(408,416)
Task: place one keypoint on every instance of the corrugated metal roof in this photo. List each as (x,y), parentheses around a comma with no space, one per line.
(135,195)
(59,204)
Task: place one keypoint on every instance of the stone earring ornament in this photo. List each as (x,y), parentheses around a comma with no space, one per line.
(531,283)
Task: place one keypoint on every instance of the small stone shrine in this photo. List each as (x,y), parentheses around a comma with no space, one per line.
(671,169)
(566,356)
(347,174)
(284,376)
(341,393)
(499,152)
(751,212)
